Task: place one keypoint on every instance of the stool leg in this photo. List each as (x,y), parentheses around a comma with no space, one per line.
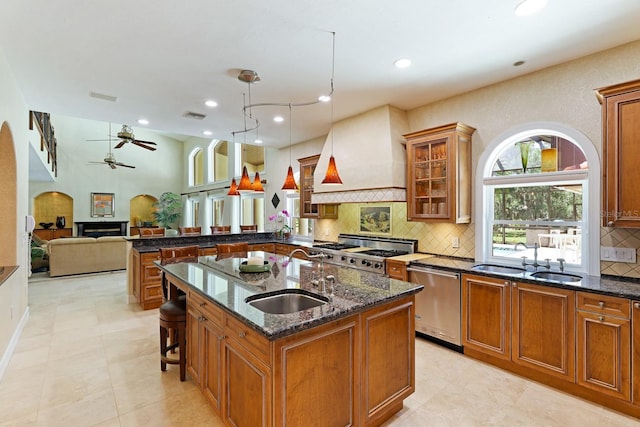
(183,351)
(163,348)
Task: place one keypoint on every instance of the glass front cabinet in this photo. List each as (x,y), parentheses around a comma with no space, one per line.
(439,174)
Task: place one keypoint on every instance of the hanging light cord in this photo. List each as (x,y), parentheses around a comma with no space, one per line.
(290,120)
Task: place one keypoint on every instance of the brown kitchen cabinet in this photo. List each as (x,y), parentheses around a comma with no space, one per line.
(308,209)
(397,270)
(204,342)
(604,344)
(620,151)
(265,247)
(53,233)
(439,174)
(543,329)
(147,286)
(635,352)
(529,325)
(486,315)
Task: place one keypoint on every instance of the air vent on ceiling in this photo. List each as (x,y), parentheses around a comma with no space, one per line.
(192,115)
(103,96)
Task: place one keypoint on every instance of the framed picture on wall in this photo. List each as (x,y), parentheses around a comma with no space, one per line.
(102,205)
(375,220)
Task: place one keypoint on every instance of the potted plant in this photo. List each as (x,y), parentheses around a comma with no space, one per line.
(168,209)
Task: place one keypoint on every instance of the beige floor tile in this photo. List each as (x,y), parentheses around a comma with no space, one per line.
(87,357)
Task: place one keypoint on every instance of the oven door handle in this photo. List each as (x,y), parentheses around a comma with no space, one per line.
(435,272)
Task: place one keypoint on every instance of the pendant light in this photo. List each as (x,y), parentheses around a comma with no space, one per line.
(233,190)
(290,181)
(332,176)
(257,185)
(245,181)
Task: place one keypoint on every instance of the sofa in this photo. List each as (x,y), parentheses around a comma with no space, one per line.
(78,255)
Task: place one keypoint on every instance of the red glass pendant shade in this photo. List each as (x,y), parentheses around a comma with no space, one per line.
(245,181)
(233,190)
(290,181)
(332,176)
(257,185)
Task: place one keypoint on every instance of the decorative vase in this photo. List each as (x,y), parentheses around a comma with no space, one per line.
(524,153)
(60,222)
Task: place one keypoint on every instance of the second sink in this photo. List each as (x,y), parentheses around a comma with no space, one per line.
(286,301)
(500,269)
(559,277)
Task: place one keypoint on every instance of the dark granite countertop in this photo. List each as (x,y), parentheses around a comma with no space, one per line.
(605,285)
(6,271)
(152,244)
(221,282)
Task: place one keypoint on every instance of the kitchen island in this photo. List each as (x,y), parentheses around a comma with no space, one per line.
(348,361)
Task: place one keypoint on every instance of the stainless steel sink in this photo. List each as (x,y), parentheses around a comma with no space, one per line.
(286,301)
(558,277)
(499,269)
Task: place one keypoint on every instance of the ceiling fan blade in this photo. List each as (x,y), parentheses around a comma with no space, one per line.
(125,166)
(145,142)
(97,163)
(141,144)
(120,144)
(112,165)
(92,140)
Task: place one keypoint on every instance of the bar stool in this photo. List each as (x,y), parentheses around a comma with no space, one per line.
(190,231)
(220,229)
(249,228)
(232,250)
(173,313)
(152,232)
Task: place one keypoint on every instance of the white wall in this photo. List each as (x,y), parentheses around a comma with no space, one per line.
(155,171)
(13,293)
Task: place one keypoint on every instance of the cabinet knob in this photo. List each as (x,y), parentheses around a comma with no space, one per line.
(601,318)
(636,305)
(201,319)
(601,304)
(242,334)
(610,224)
(202,304)
(507,283)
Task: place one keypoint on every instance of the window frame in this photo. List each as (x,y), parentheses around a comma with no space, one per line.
(485,183)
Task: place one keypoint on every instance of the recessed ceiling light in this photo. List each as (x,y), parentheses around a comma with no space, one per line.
(402,63)
(258,141)
(324,98)
(143,121)
(529,7)
(278,119)
(211,103)
(207,132)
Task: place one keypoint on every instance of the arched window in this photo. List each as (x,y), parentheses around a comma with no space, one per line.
(196,167)
(535,186)
(218,160)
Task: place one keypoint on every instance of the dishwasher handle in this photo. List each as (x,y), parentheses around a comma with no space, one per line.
(434,272)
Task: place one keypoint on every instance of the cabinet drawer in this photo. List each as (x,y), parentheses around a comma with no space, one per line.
(603,304)
(265,247)
(208,251)
(150,257)
(247,338)
(397,270)
(207,308)
(151,292)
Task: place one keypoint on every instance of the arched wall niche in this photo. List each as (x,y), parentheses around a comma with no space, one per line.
(141,209)
(8,198)
(50,205)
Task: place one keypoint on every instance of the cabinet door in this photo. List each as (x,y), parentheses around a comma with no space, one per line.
(307,168)
(211,357)
(486,315)
(603,353)
(621,122)
(193,344)
(439,174)
(247,388)
(635,351)
(265,247)
(543,329)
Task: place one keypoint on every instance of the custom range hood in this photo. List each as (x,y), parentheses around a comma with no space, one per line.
(371,158)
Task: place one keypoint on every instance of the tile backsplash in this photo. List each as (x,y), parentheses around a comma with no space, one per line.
(437,238)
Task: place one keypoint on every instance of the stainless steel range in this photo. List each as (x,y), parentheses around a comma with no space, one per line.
(366,253)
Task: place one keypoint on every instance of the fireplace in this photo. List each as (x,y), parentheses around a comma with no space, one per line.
(102,228)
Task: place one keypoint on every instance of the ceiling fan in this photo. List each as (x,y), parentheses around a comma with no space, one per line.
(126,135)
(110,159)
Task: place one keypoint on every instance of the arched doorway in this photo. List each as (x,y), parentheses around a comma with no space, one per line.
(8,198)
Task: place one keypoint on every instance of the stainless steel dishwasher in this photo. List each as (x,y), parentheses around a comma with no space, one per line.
(438,305)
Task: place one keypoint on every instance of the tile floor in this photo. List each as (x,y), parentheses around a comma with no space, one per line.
(87,358)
